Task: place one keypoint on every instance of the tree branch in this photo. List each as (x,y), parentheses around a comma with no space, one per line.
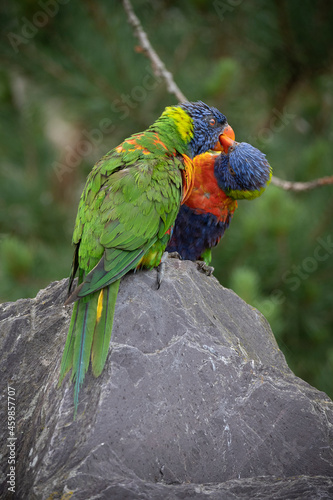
(157,65)
(301,186)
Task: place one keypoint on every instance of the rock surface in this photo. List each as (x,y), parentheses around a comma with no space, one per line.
(196,401)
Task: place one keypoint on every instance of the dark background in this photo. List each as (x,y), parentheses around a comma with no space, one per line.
(73,84)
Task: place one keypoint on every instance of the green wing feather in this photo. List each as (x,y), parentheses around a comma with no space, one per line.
(133,209)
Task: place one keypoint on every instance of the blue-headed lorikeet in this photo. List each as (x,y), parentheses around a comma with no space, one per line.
(220,179)
(127,209)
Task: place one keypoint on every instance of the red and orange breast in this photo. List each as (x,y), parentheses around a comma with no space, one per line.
(206,196)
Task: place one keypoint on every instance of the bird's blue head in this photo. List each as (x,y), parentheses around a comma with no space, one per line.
(243,173)
(200,127)
(208,126)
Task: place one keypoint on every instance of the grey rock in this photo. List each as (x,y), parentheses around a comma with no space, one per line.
(196,401)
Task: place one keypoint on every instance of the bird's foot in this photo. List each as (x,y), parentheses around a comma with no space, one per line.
(204,268)
(174,255)
(161,269)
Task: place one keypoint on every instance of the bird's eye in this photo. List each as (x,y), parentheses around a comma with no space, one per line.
(231,170)
(212,122)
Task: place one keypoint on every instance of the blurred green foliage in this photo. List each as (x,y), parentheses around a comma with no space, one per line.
(73,85)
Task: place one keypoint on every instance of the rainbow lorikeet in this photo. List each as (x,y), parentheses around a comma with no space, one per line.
(220,180)
(125,215)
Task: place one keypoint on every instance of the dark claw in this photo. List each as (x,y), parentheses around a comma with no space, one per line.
(161,269)
(174,255)
(202,266)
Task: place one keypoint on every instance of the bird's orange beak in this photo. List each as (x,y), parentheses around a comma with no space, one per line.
(225,140)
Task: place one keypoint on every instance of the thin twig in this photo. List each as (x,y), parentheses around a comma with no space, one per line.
(302,186)
(157,65)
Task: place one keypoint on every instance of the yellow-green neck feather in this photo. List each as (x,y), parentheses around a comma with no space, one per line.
(182,120)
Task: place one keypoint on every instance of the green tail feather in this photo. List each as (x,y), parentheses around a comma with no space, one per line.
(88,336)
(85,325)
(103,328)
(67,357)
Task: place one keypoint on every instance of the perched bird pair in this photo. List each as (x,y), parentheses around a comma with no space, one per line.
(127,213)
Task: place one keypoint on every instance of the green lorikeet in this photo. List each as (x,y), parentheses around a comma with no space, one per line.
(220,180)
(124,221)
